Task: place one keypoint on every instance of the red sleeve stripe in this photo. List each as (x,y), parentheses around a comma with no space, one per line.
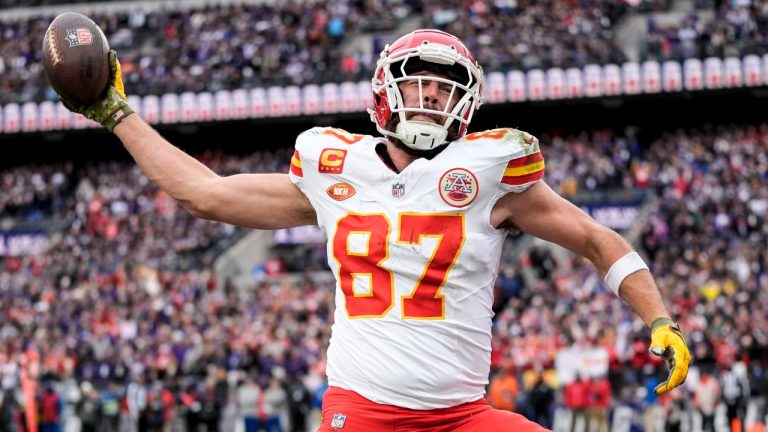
(527,160)
(524,170)
(296,165)
(523,179)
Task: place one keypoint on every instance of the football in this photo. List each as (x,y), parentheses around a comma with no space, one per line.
(76,58)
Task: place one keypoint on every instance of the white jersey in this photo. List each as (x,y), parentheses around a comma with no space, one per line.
(415,259)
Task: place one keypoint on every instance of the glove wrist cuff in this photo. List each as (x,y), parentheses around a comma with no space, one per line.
(123,111)
(662,322)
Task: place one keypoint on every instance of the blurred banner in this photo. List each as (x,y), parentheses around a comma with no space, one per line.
(585,362)
(23,243)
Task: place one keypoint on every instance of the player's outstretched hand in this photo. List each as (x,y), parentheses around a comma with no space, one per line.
(113,106)
(667,342)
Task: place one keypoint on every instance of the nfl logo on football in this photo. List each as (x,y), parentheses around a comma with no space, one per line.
(398,190)
(338,421)
(79,36)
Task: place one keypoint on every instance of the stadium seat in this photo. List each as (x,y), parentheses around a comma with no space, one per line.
(64,117)
(292,100)
(11,118)
(205,106)
(535,83)
(223,102)
(29,117)
(651,76)
(365,94)
(135,102)
(47,115)
(593,78)
(630,78)
(151,108)
(672,76)
(693,74)
(188,107)
(258,98)
(276,101)
(310,96)
(555,83)
(752,71)
(330,98)
(612,79)
(713,73)
(349,100)
(516,86)
(574,82)
(169,104)
(239,104)
(733,73)
(494,90)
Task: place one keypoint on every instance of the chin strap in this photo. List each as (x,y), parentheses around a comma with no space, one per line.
(420,135)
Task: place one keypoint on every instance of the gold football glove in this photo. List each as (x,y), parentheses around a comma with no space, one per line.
(113,107)
(667,342)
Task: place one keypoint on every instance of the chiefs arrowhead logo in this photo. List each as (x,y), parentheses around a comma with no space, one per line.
(458,187)
(340,191)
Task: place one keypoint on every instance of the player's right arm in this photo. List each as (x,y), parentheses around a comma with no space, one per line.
(264,201)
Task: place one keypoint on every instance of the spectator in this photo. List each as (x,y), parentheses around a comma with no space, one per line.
(735,388)
(577,401)
(50,407)
(541,398)
(299,404)
(706,399)
(88,409)
(503,389)
(275,405)
(248,395)
(600,401)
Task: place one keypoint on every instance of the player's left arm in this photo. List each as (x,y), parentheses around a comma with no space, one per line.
(541,212)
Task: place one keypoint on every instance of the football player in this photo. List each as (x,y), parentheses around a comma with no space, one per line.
(415,221)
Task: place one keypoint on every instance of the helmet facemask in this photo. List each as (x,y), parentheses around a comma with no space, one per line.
(456,70)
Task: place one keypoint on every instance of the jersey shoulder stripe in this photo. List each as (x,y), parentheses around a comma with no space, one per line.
(296,164)
(518,150)
(523,170)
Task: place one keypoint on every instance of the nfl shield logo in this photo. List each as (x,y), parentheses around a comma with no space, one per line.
(398,190)
(79,36)
(338,421)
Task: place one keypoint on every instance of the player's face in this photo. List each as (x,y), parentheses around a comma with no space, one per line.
(434,95)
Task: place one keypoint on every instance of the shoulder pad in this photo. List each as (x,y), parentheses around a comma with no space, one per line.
(329,136)
(509,140)
(520,152)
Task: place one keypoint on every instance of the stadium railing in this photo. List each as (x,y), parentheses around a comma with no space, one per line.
(591,81)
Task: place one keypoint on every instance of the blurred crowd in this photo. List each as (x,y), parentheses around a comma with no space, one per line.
(249,45)
(537,34)
(740,28)
(132,327)
(705,241)
(215,47)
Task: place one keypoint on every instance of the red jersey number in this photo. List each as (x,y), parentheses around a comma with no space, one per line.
(364,261)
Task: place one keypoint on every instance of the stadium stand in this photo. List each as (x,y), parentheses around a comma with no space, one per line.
(164,317)
(215,48)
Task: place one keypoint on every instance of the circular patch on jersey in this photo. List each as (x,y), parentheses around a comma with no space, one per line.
(458,187)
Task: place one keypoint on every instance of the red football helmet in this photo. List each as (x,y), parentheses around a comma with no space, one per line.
(433,51)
